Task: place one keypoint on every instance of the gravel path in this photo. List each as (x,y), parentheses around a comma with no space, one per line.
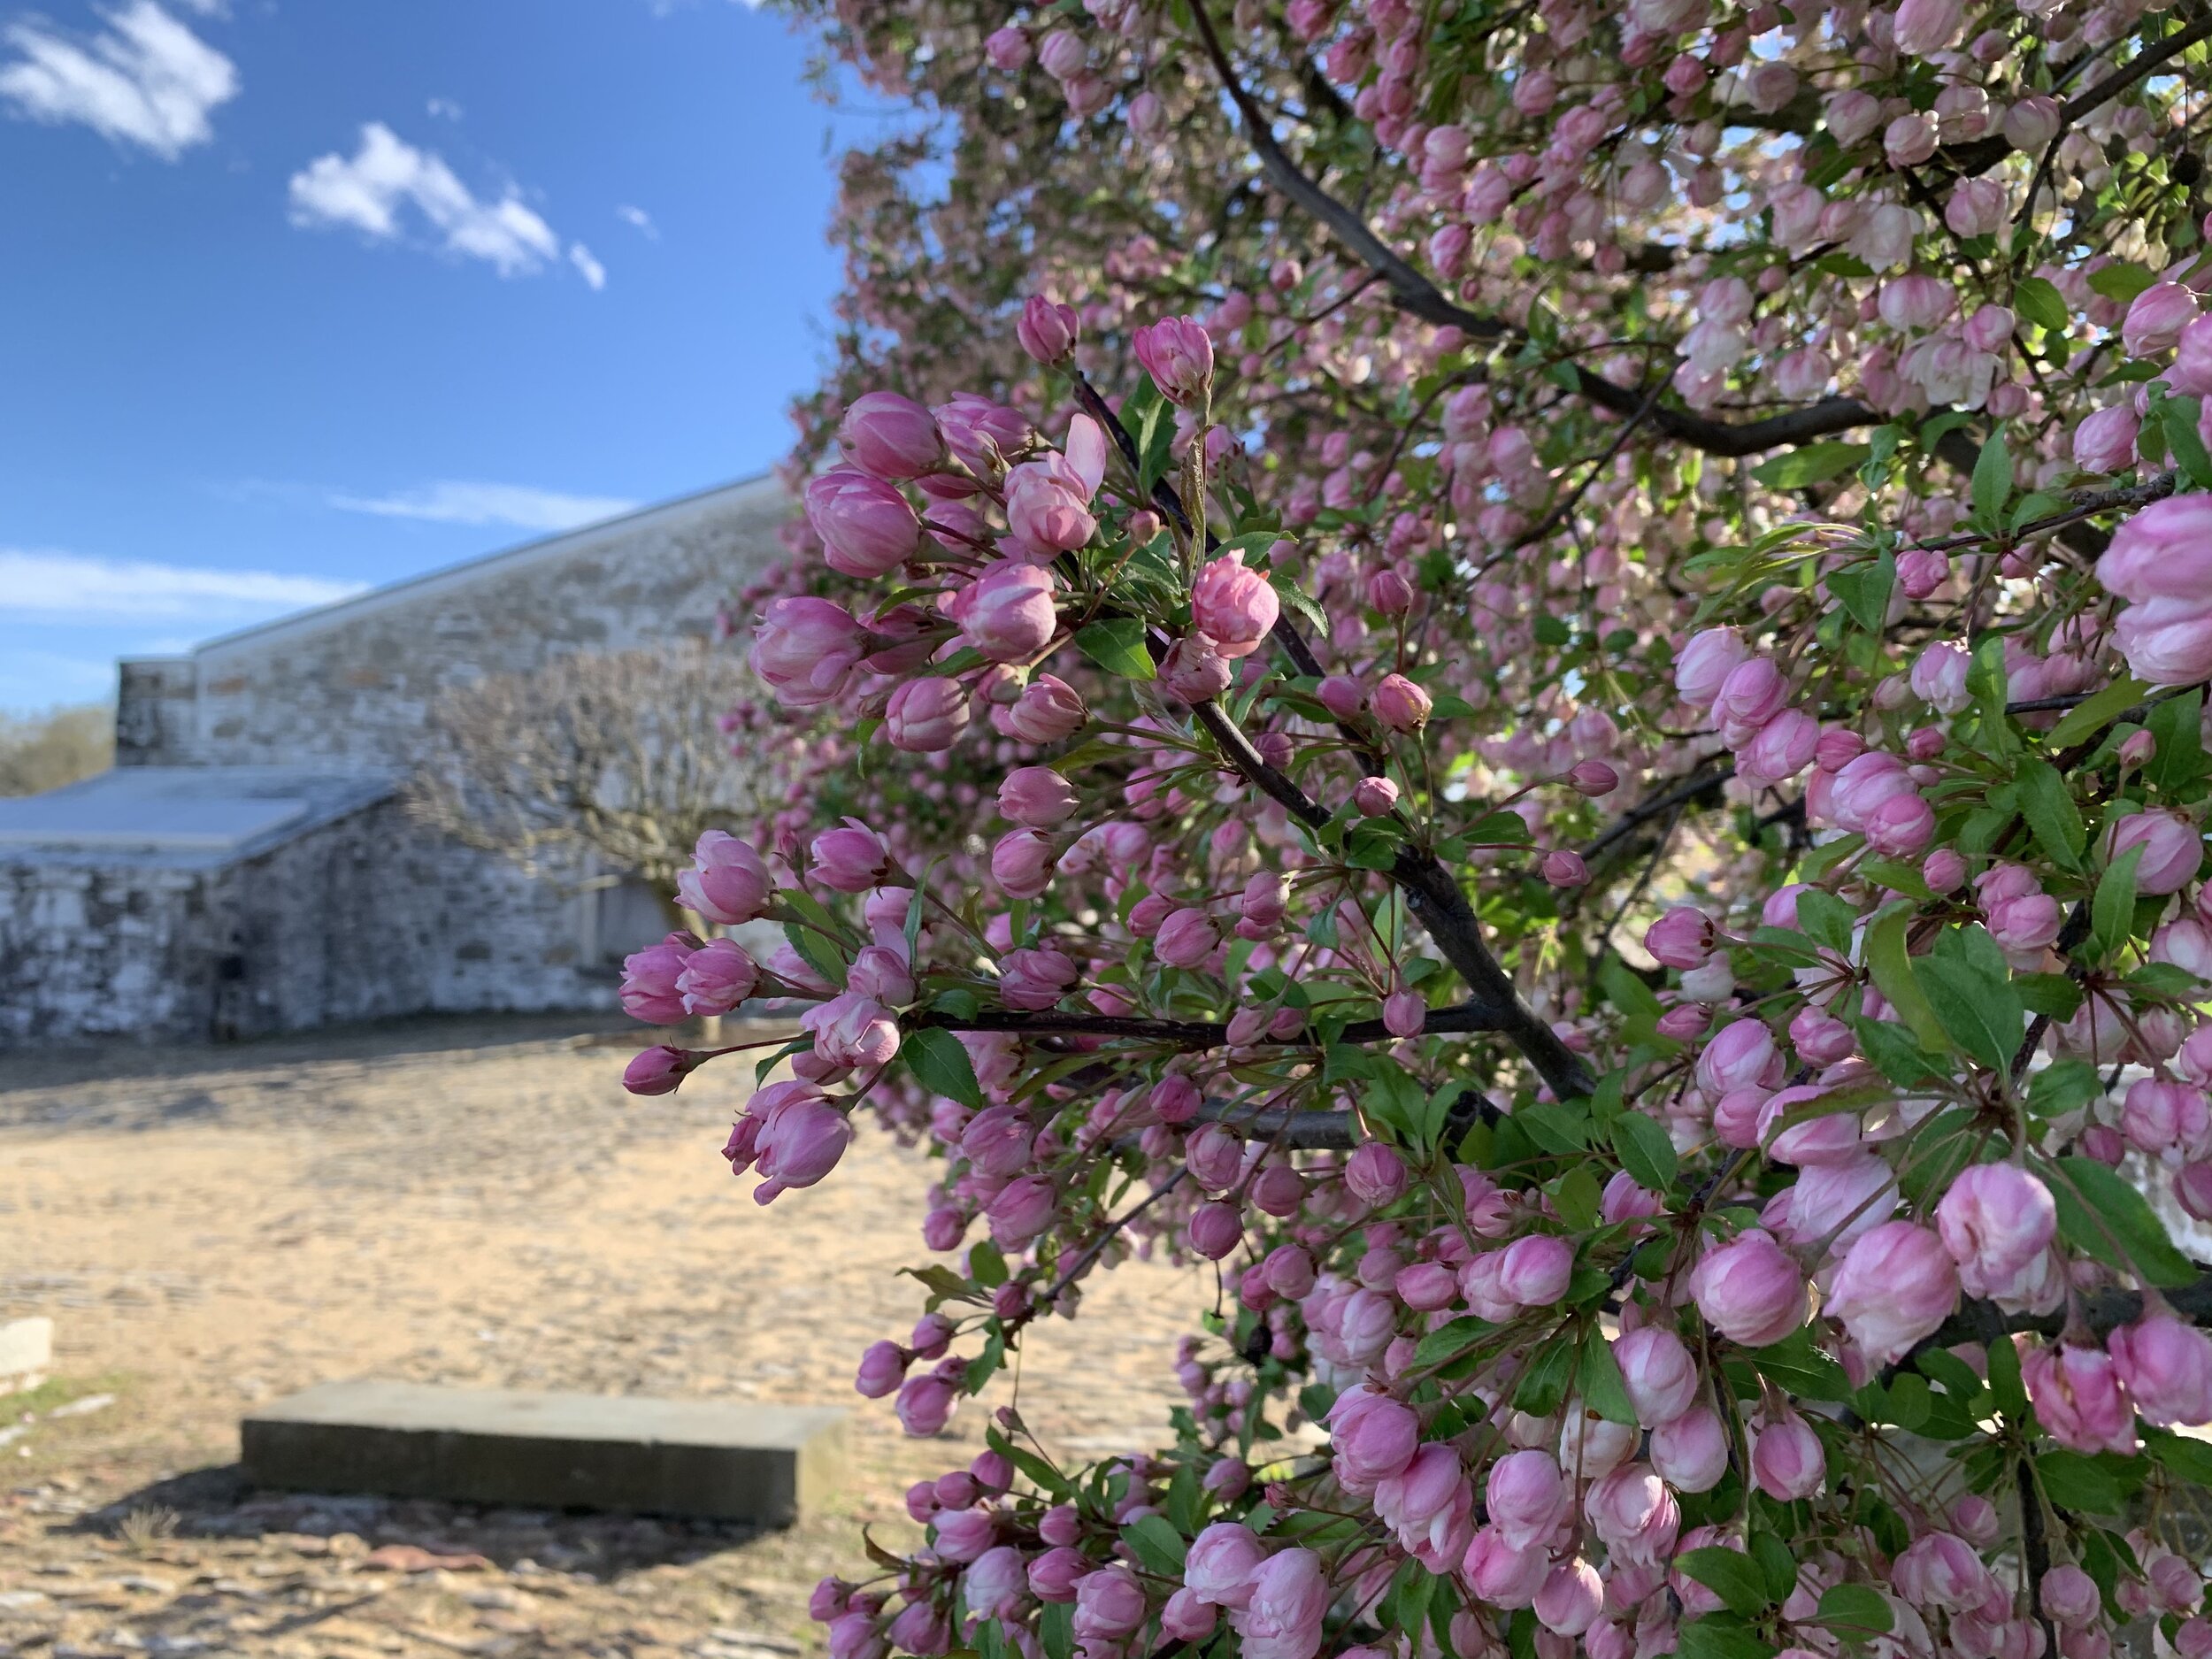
(471,1203)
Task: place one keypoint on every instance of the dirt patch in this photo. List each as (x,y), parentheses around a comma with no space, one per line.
(475,1204)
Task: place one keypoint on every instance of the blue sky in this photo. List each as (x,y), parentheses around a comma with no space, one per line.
(306,295)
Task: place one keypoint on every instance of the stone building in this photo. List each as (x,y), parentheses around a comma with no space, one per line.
(247,867)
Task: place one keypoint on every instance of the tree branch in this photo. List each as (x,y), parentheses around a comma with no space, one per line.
(1981,154)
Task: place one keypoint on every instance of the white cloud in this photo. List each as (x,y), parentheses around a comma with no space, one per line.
(445,109)
(146,78)
(52,584)
(640,218)
(457,501)
(370,191)
(595,274)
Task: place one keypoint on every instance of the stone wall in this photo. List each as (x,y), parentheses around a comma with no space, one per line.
(363,918)
(348,685)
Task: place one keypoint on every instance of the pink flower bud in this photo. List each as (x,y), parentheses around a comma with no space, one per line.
(925,1404)
(1787,1461)
(2071,1597)
(1022,1211)
(1038,796)
(1232,606)
(1924,28)
(867,528)
(2032,122)
(659,1071)
(1186,939)
(1374,797)
(1007,613)
(1691,1453)
(1820,1038)
(1007,48)
(1047,330)
(1897,1283)
(2105,442)
(2172,849)
(1405,1013)
(1503,1575)
(1594,778)
(1750,1292)
(1175,1099)
(1754,693)
(804,650)
(1425,1286)
(727,883)
(882,1368)
(2079,1399)
(1994,1220)
(1684,938)
(2166,1366)
(1022,863)
(926,715)
(1571,1599)
(1633,1515)
(1267,898)
(1901,826)
(891,437)
(1658,1373)
(2156,318)
(1536,1269)
(652,980)
(716,977)
(1179,354)
(1741,1054)
(1035,979)
(1527,1498)
(1375,1175)
(998,1141)
(1187,1618)
(1564,868)
(1373,1438)
(1290,1600)
(1215,1229)
(1779,749)
(1402,706)
(1048,711)
(1054,1575)
(1938,677)
(850,860)
(1706,662)
(1390,592)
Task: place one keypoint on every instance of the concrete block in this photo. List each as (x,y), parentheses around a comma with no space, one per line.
(704,1458)
(26,1349)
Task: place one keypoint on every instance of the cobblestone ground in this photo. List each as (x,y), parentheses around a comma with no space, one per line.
(475,1204)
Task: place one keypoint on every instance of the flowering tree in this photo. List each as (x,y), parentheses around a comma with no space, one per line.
(1588,626)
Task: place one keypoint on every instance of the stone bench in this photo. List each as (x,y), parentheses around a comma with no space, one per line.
(706,1459)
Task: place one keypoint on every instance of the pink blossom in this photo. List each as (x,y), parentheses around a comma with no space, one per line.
(1048,500)
(1633,1515)
(1109,1603)
(651,981)
(1048,711)
(1502,1574)
(1234,606)
(804,649)
(1022,862)
(1996,1218)
(2080,1398)
(2156,318)
(1571,1599)
(926,715)
(1535,1271)
(1372,1438)
(1684,938)
(1787,1459)
(2172,849)
(1022,1211)
(727,882)
(658,1071)
(1659,1374)
(850,860)
(716,977)
(1008,612)
(1896,1285)
(1563,868)
(1750,1292)
(1375,797)
(1186,939)
(1047,330)
(891,437)
(1283,1619)
(1038,797)
(1742,1053)
(1375,1175)
(865,523)
(1527,1497)
(1691,1453)
(801,1140)
(1179,354)
(2166,1367)
(1706,662)
(1400,704)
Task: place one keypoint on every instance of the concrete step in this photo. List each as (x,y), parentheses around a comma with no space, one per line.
(708,1459)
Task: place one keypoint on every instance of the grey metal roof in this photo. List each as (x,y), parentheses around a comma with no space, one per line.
(179,817)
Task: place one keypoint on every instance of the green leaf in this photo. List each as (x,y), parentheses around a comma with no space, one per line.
(1855,1610)
(1117,646)
(1993,481)
(1827,919)
(2005,1386)
(1156,1545)
(819,954)
(2121,282)
(2076,1482)
(1798,1364)
(1645,1151)
(1544,1383)
(1776,1565)
(2038,300)
(1627,992)
(2062,1086)
(2100,712)
(1719,1636)
(2175,727)
(2103,1216)
(1056,1629)
(1810,464)
(985,1266)
(941,1065)
(2052,994)
(1977,1006)
(1598,1379)
(2048,806)
(2179,416)
(1892,968)
(2112,911)
(1863,590)
(1448,1342)
(1894,1053)
(1729,1574)
(1300,603)
(2185,1456)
